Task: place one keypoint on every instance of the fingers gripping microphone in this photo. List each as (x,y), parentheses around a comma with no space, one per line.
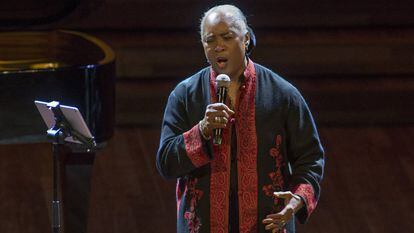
(222,83)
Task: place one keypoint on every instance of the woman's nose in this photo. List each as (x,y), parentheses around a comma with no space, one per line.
(219,48)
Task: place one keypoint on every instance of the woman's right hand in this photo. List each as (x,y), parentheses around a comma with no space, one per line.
(217,115)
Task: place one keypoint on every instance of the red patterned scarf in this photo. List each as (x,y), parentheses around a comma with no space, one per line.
(246,161)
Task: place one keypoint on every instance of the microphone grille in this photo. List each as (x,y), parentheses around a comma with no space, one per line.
(222,80)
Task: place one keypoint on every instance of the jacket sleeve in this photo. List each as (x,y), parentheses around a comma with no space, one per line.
(305,154)
(182,148)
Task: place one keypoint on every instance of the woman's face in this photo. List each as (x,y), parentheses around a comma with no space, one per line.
(224,44)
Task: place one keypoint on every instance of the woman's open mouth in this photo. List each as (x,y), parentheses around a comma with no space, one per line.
(221,62)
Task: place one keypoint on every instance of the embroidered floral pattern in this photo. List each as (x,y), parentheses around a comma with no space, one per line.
(275,176)
(194,222)
(247,166)
(306,191)
(247,153)
(194,147)
(220,176)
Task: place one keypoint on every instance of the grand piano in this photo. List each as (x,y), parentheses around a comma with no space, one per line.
(70,67)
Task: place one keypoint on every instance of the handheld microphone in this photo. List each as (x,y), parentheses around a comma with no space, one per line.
(222,83)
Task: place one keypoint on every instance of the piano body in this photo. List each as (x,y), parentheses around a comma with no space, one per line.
(71,67)
(74,69)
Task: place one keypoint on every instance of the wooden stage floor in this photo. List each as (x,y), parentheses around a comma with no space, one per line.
(368,185)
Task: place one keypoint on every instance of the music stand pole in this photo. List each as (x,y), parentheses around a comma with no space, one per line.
(55,201)
(57,135)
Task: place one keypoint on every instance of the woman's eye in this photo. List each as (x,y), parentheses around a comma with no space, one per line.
(209,40)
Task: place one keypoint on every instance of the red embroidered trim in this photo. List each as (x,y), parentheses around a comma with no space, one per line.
(193,221)
(194,147)
(247,153)
(179,194)
(276,176)
(220,177)
(219,187)
(247,162)
(306,192)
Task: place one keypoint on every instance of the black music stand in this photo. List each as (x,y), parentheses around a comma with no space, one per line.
(65,125)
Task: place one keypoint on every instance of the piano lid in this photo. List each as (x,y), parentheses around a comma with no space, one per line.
(71,67)
(31,51)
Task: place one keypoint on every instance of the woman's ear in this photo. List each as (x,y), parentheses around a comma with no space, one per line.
(247,40)
(251,38)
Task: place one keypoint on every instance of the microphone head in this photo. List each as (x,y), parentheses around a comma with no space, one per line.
(222,80)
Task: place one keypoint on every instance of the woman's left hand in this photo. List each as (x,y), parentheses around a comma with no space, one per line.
(277,221)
